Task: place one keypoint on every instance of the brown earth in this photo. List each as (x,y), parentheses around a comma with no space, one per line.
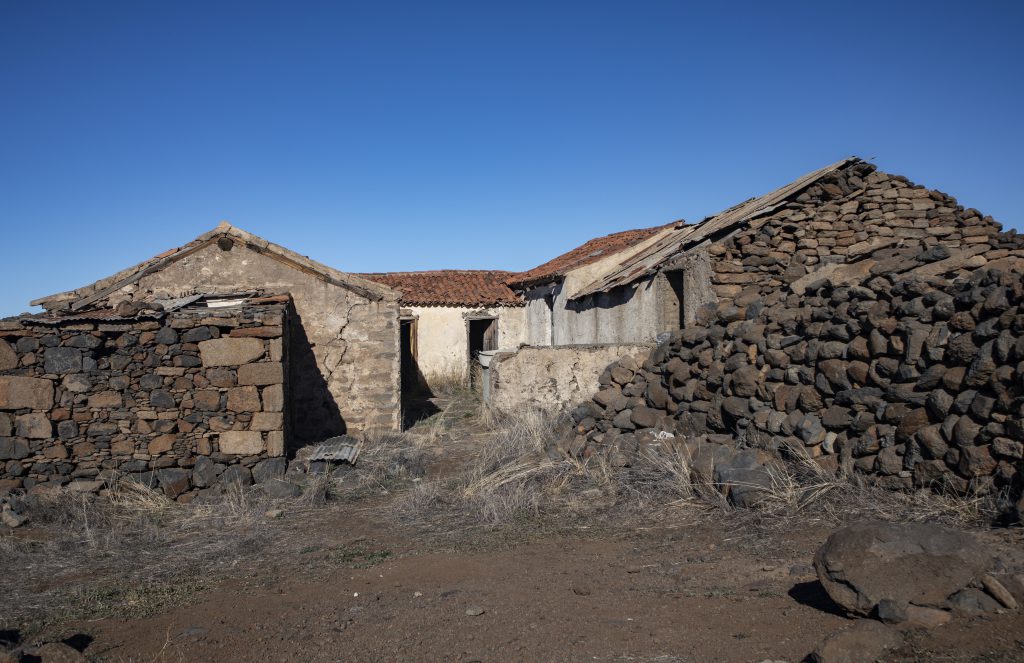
(692,593)
(351,580)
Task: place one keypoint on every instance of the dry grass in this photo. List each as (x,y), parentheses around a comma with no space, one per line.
(512,479)
(448,382)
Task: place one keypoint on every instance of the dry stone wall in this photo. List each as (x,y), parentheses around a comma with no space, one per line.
(187,401)
(910,381)
(868,323)
(855,216)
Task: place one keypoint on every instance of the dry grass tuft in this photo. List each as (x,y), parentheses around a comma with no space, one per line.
(512,480)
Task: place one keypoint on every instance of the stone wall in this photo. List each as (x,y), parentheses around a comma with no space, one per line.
(551,378)
(857,215)
(185,400)
(891,373)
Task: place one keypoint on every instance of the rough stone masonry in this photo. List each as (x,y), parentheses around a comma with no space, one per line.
(869,323)
(185,400)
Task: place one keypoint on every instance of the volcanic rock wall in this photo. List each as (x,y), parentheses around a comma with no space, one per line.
(904,377)
(855,215)
(867,322)
(183,400)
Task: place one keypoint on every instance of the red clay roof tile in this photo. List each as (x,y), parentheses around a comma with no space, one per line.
(450,287)
(592,251)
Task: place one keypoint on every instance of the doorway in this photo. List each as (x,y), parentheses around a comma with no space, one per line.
(416,395)
(674,310)
(483,336)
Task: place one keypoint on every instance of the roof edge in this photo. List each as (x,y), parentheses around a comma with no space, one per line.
(87,294)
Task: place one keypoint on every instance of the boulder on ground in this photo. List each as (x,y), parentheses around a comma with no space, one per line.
(916,563)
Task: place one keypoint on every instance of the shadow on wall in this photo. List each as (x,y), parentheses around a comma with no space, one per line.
(416,392)
(604,300)
(314,413)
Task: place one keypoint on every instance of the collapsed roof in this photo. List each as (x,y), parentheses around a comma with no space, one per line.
(585,254)
(674,240)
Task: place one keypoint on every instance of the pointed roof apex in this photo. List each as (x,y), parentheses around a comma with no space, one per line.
(85,296)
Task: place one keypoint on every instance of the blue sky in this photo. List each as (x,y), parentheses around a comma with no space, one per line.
(402,136)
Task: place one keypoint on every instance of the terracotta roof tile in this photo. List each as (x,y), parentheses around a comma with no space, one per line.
(592,251)
(450,287)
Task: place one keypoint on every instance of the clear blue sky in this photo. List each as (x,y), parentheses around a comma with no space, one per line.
(382,136)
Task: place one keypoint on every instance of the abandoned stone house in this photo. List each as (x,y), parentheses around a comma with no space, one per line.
(448,317)
(627,315)
(839,222)
(343,354)
(346,348)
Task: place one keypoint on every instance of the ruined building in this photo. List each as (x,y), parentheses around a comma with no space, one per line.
(191,354)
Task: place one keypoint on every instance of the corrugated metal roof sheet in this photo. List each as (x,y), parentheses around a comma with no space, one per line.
(342,448)
(675,240)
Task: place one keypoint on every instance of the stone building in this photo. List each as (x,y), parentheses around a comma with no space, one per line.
(185,395)
(449,316)
(843,222)
(829,223)
(344,336)
(624,315)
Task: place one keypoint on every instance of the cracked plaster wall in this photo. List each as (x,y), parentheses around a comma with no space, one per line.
(350,381)
(553,377)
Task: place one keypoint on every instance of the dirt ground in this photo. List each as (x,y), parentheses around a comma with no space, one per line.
(348,582)
(366,592)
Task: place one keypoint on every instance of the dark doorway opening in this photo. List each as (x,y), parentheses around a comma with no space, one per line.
(416,395)
(675,316)
(483,336)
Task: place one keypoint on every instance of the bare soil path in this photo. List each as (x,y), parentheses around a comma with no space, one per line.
(698,593)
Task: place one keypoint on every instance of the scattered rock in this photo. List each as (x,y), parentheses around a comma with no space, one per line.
(914,563)
(475,611)
(866,641)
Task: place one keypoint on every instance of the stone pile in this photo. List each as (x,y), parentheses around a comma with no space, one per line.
(883,369)
(859,215)
(186,400)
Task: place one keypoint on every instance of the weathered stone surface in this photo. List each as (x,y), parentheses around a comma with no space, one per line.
(275,443)
(162,400)
(8,357)
(867,641)
(62,360)
(273,398)
(174,481)
(280,489)
(236,475)
(230,351)
(920,564)
(269,469)
(34,426)
(264,373)
(268,421)
(257,332)
(162,444)
(241,443)
(12,448)
(204,472)
(105,399)
(18,392)
(244,399)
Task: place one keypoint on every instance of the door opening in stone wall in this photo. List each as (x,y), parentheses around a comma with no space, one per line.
(416,394)
(674,311)
(483,336)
